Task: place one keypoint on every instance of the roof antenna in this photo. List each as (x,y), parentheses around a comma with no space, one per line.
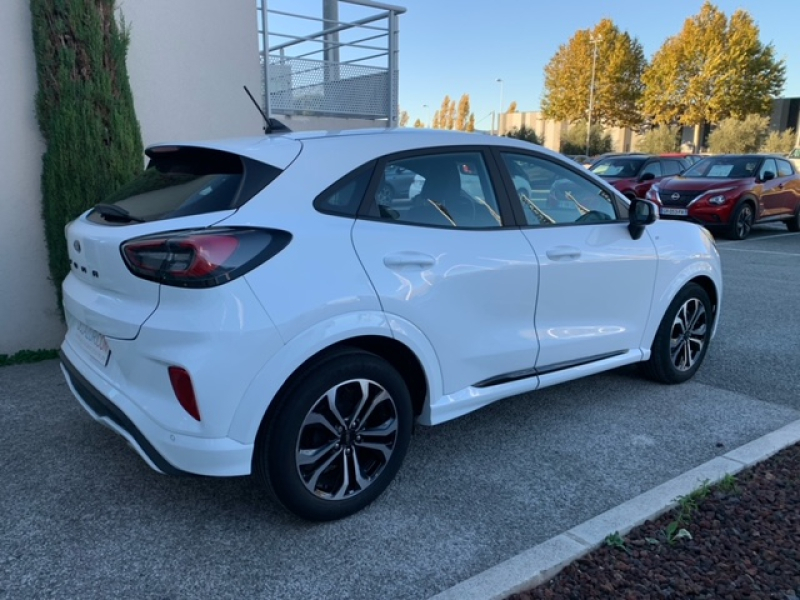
(270,125)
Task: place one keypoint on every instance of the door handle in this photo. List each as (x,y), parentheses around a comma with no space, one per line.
(409,259)
(563,253)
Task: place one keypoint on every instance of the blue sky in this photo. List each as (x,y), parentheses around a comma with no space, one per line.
(456,47)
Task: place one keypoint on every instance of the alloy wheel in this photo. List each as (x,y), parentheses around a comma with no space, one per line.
(346,439)
(744,221)
(688,334)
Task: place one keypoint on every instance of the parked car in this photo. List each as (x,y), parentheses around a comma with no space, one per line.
(794,158)
(732,192)
(633,174)
(581,159)
(396,184)
(251,307)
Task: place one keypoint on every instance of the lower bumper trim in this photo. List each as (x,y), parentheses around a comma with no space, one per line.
(103,407)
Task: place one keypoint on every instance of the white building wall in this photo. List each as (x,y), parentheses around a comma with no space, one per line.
(29,317)
(187,63)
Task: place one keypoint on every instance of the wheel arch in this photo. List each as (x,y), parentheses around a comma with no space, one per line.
(752,201)
(710,288)
(397,354)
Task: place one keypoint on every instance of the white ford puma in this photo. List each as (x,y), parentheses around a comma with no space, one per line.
(257,307)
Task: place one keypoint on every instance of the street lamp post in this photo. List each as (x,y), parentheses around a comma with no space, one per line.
(500,81)
(595,41)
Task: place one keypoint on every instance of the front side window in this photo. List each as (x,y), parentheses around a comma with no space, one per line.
(558,195)
(769,166)
(450,190)
(653,167)
(671,167)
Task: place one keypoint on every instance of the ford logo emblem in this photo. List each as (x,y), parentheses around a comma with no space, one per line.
(675,197)
(77,245)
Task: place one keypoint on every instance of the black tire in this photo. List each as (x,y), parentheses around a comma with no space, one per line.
(793,224)
(356,459)
(682,338)
(742,221)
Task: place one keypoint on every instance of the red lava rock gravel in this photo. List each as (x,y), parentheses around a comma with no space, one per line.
(745,544)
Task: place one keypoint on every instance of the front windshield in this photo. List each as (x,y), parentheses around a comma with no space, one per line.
(725,167)
(620,166)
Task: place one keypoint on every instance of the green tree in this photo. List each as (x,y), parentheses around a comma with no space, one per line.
(573,141)
(527,134)
(665,138)
(779,142)
(713,69)
(618,77)
(733,136)
(85,110)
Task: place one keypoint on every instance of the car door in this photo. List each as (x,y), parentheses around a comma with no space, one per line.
(595,281)
(790,188)
(771,198)
(453,265)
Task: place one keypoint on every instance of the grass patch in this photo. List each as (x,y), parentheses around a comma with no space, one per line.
(24,357)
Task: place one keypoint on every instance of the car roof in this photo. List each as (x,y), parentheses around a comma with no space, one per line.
(279,149)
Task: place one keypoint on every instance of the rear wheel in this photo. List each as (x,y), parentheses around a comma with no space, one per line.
(682,338)
(742,221)
(338,437)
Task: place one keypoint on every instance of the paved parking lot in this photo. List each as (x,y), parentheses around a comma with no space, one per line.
(83,517)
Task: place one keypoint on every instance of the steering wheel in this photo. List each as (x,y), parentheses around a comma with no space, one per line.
(592,217)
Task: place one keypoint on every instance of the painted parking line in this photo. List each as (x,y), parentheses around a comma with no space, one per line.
(758,238)
(751,251)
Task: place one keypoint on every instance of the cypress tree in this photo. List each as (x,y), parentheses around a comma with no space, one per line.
(85,110)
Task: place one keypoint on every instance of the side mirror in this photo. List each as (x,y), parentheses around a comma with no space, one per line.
(767,176)
(640,214)
(647,177)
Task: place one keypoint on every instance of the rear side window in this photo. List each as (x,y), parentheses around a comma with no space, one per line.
(180,181)
(784,168)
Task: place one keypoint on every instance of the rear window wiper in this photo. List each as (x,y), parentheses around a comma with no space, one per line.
(112,212)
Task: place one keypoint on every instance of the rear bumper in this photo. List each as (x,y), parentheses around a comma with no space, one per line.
(164,451)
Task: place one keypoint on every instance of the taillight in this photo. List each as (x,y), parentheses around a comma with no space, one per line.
(201,257)
(184,391)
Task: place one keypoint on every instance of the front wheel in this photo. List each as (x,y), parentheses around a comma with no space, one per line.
(793,224)
(742,221)
(682,338)
(338,437)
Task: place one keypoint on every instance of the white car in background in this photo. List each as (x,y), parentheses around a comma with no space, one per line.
(251,307)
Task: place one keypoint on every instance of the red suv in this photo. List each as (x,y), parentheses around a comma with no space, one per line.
(732,192)
(633,174)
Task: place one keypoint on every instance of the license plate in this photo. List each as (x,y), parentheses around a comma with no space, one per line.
(93,342)
(675,212)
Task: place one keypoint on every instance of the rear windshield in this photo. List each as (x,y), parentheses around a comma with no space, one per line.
(180,181)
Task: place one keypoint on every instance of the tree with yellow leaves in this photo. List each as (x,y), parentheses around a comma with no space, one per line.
(618,70)
(715,68)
